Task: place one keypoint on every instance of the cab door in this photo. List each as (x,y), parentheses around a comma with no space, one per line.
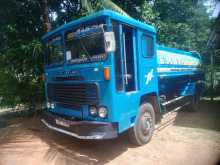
(148,62)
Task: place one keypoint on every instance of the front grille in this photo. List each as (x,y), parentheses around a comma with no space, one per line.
(73,95)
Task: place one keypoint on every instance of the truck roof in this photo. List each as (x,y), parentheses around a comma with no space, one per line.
(104,13)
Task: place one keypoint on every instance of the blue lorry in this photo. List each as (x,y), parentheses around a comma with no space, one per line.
(105,75)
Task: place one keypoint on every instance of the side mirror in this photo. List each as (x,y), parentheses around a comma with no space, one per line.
(110,44)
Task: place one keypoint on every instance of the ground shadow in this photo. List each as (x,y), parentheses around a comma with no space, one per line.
(86,152)
(63,149)
(68,150)
(209,110)
(3,124)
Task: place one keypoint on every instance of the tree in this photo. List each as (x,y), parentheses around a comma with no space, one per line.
(20,51)
(101,4)
(182,24)
(46,21)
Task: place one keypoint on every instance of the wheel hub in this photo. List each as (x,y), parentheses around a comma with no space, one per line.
(146,123)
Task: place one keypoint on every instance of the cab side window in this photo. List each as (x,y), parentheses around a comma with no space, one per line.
(147,45)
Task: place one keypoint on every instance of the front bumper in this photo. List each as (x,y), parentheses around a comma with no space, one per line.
(80,129)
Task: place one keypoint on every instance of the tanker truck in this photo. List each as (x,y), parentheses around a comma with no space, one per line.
(105,74)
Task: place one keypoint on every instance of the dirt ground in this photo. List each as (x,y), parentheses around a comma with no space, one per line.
(192,139)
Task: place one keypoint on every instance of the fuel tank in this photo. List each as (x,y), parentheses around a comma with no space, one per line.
(179,72)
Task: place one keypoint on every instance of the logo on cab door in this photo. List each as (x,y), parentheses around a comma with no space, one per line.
(149,76)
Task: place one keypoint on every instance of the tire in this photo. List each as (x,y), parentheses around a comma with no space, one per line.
(142,132)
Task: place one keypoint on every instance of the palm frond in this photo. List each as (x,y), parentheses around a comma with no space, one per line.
(108,4)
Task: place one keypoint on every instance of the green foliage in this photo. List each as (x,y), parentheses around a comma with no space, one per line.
(20,52)
(20,73)
(183,24)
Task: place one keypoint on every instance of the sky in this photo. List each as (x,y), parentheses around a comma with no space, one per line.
(213,7)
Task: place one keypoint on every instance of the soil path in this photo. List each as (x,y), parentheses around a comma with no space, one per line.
(192,139)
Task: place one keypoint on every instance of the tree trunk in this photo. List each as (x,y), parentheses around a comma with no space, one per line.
(46,21)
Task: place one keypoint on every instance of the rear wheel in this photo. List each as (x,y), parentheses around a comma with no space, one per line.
(143,129)
(194,104)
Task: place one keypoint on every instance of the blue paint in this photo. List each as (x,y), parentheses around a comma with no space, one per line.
(150,76)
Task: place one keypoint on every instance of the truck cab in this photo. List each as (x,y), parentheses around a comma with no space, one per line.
(102,78)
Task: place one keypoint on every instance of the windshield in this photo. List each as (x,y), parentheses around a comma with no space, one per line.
(55,51)
(85,48)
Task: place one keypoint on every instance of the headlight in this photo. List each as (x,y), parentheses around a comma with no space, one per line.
(103,112)
(48,105)
(93,110)
(52,105)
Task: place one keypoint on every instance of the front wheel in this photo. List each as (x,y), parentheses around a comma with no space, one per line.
(143,129)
